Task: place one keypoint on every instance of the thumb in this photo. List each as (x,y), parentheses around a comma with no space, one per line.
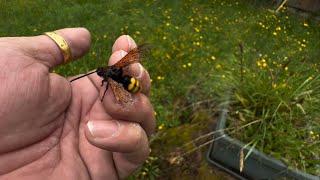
(45,49)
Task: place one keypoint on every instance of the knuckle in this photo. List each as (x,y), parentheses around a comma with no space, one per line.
(58,85)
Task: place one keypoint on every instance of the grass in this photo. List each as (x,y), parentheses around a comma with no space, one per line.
(282,101)
(196,58)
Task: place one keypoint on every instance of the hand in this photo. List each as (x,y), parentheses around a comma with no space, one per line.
(51,129)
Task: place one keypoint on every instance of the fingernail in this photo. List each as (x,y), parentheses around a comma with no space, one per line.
(122,53)
(103,129)
(137,68)
(130,41)
(140,71)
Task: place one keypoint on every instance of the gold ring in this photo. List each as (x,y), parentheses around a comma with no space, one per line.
(62,44)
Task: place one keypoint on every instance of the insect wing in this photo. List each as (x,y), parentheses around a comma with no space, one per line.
(121,95)
(133,56)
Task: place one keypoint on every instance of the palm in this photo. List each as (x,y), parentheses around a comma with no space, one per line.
(89,157)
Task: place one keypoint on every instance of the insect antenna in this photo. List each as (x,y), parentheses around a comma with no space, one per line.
(83,76)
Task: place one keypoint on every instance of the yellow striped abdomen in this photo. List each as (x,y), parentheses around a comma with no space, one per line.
(134,85)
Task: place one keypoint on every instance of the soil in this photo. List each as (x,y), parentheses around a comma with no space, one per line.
(176,162)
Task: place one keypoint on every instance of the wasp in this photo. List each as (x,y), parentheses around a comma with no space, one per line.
(117,76)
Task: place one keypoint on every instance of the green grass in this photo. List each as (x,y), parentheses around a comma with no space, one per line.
(195,57)
(282,104)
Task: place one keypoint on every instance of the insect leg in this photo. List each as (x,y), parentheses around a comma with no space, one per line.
(105,91)
(102,82)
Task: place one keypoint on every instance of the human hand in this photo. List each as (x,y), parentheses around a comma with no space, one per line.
(51,129)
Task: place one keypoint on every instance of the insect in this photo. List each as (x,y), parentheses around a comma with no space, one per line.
(117,76)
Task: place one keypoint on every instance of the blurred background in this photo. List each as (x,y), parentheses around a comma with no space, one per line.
(266,53)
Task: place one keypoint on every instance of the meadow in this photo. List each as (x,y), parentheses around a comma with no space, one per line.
(201,50)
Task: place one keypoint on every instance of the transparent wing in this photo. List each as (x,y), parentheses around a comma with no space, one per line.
(133,56)
(121,95)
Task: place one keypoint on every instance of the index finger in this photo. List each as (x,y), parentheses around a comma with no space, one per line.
(126,43)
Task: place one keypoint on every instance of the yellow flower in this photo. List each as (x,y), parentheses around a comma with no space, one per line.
(167,24)
(164,38)
(274,85)
(184,66)
(104,36)
(189,64)
(264,65)
(218,66)
(286,68)
(197,29)
(284,85)
(278,28)
(213,58)
(259,64)
(305,24)
(161,126)
(137,32)
(274,33)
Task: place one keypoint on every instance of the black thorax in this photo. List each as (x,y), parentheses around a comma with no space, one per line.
(114,73)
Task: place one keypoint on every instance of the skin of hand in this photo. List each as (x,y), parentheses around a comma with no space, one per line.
(53,129)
